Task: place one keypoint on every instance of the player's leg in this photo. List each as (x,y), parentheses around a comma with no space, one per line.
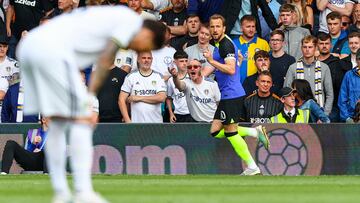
(81,146)
(81,151)
(55,149)
(239,145)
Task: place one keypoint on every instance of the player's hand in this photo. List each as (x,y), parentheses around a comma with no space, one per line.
(172,118)
(207,54)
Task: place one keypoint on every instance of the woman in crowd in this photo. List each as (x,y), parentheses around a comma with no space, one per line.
(305,13)
(306,100)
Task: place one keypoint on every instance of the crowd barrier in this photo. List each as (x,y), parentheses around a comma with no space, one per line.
(179,149)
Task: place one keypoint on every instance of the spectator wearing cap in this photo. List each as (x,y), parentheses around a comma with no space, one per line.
(350,92)
(290,113)
(262,63)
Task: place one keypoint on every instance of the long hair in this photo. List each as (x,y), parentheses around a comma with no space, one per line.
(357,112)
(304,14)
(303,89)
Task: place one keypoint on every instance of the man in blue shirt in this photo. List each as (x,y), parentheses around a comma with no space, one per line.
(230,109)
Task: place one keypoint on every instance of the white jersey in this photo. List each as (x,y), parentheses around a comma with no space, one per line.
(137,84)
(179,99)
(9,69)
(202,99)
(162,59)
(126,58)
(85,31)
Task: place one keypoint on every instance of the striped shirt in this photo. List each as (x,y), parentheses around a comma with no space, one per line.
(261,109)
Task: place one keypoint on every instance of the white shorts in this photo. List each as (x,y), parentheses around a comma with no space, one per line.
(52,82)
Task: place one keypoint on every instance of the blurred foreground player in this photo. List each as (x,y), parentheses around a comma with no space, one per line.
(51,56)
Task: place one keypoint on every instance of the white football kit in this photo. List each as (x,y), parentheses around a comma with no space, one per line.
(137,84)
(178,97)
(52,54)
(9,70)
(202,99)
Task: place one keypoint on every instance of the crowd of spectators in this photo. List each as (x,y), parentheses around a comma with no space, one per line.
(296,57)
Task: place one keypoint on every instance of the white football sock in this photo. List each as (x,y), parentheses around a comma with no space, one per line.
(81,152)
(56,156)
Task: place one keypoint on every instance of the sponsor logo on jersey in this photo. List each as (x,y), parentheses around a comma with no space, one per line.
(261,110)
(26,2)
(144,92)
(200,100)
(115,80)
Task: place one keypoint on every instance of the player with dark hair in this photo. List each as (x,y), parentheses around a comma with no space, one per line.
(51,56)
(230,111)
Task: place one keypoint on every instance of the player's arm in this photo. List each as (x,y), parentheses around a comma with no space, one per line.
(207,70)
(154,99)
(228,67)
(105,61)
(123,107)
(9,17)
(226,51)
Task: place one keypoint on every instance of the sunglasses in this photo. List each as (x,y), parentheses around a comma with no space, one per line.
(193,66)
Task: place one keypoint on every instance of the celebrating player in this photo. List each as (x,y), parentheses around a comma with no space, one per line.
(230,111)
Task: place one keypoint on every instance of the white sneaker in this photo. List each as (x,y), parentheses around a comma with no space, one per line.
(251,172)
(89,198)
(61,199)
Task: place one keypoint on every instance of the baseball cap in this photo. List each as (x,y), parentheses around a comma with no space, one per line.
(358,54)
(286,91)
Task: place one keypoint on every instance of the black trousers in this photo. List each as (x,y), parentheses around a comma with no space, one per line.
(29,161)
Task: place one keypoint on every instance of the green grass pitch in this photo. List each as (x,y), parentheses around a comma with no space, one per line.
(194,189)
